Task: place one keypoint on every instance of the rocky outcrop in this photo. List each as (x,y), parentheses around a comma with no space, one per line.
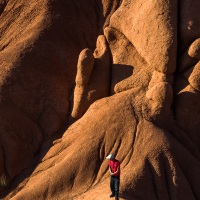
(80,80)
(129,69)
(93,77)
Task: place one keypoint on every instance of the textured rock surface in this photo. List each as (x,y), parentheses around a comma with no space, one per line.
(82,79)
(93,77)
(194,50)
(150,29)
(129,69)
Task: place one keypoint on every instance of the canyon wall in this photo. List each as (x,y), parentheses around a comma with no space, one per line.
(80,80)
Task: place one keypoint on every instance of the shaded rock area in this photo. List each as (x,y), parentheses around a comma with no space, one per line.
(82,79)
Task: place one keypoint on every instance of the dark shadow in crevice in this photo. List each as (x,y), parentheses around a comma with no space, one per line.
(119,73)
(3,5)
(187,113)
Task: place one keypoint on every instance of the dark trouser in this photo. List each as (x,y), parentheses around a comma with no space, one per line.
(114,186)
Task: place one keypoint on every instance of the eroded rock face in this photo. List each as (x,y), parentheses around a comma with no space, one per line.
(119,74)
(148,27)
(93,77)
(39,49)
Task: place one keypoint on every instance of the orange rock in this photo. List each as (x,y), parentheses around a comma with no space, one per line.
(157,107)
(158,77)
(150,29)
(194,50)
(92,80)
(194,78)
(82,79)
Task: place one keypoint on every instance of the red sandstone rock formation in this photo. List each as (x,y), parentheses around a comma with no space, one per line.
(82,79)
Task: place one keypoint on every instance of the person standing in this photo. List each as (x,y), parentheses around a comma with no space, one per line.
(114,169)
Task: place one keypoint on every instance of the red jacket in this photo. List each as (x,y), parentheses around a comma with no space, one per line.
(114,165)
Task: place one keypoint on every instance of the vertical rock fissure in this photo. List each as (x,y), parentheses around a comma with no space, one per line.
(177,61)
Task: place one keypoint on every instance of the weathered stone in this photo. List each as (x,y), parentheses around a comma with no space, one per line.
(50,121)
(194,78)
(119,95)
(194,50)
(129,69)
(158,106)
(84,69)
(92,80)
(150,29)
(158,77)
